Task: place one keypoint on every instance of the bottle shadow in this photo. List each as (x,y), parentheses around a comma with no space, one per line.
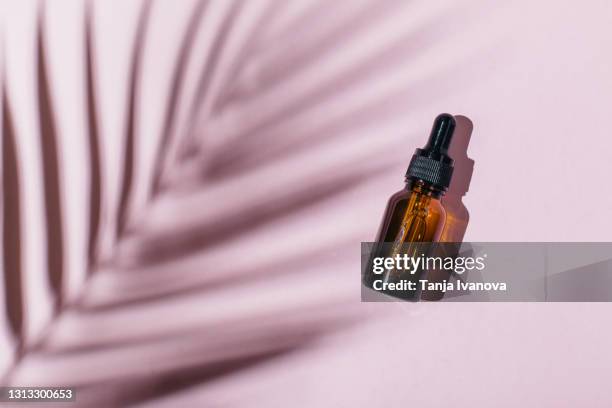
(457,215)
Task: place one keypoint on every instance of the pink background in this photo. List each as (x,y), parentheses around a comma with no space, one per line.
(308,116)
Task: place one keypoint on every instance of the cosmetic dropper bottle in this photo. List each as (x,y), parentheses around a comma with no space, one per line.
(415,214)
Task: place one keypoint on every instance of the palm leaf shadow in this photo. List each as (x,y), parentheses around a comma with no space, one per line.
(158,252)
(95,165)
(51,176)
(11,227)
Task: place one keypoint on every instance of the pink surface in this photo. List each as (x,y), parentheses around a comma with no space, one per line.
(301,129)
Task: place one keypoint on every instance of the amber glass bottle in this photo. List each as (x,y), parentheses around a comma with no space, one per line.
(415,214)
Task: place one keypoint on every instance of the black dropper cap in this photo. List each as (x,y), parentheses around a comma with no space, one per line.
(432,164)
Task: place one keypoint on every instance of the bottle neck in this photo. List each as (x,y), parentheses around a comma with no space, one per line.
(422,187)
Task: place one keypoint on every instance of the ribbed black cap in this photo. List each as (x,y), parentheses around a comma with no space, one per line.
(432,164)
